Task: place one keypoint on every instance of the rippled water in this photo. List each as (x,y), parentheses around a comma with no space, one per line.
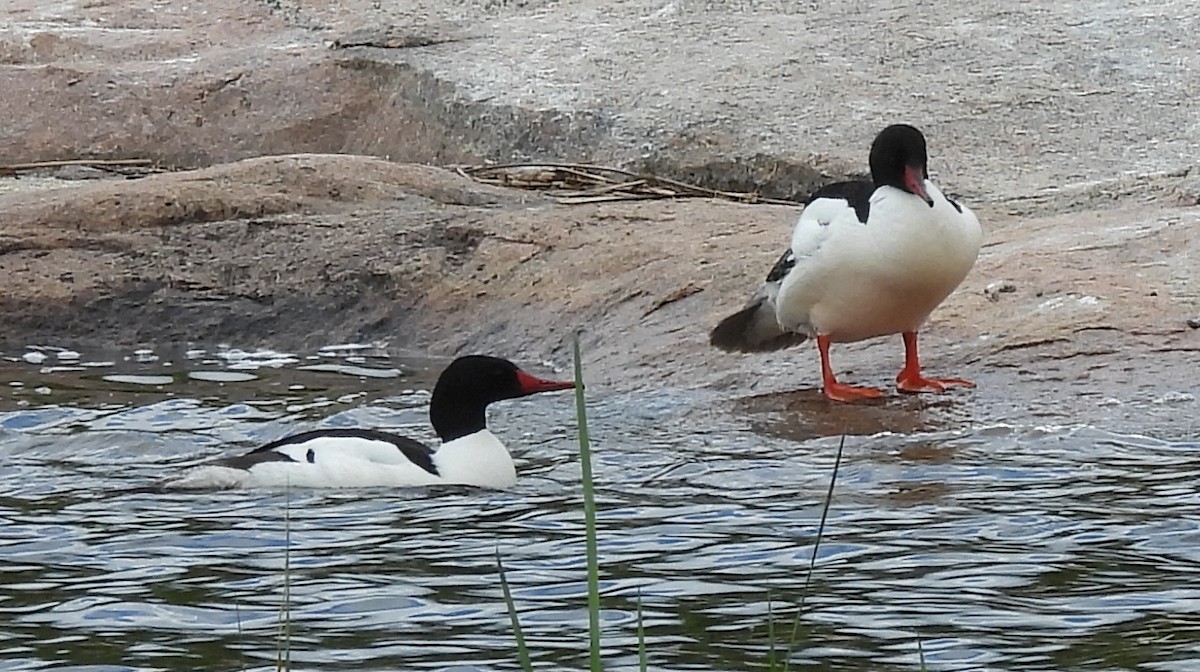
(997,547)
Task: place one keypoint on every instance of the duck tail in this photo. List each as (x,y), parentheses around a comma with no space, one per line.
(755,327)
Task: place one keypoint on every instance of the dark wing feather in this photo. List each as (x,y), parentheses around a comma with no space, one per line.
(857,194)
(755,327)
(782,267)
(251,459)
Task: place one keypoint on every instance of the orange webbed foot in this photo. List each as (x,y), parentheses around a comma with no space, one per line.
(850,393)
(834,390)
(910,378)
(906,382)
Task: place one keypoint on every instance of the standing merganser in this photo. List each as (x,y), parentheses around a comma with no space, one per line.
(341,458)
(867,259)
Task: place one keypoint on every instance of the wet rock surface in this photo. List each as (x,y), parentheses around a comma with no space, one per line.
(306,220)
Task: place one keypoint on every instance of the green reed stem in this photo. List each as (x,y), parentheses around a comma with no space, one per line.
(241,638)
(522,650)
(771,662)
(283,655)
(812,561)
(589,518)
(641,635)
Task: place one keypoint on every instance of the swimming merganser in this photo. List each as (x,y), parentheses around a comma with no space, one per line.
(867,259)
(339,458)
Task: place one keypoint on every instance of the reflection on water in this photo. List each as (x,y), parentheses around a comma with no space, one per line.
(1000,547)
(803,414)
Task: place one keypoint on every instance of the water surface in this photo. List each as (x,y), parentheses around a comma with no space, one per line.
(999,547)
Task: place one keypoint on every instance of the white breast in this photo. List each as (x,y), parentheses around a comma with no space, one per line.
(860,280)
(476,459)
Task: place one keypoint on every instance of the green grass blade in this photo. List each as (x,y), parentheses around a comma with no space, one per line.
(589,518)
(283,655)
(772,665)
(641,634)
(812,561)
(522,650)
(921,654)
(241,638)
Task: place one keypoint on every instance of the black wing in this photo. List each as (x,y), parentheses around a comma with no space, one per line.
(782,267)
(857,194)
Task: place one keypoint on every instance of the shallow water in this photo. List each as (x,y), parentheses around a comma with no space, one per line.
(997,547)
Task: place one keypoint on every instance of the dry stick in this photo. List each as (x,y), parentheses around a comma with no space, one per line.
(611,198)
(690,189)
(577,168)
(606,190)
(558,177)
(571,166)
(650,191)
(99,163)
(590,176)
(461,171)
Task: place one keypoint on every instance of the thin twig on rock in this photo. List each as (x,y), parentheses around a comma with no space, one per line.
(585,183)
(14,168)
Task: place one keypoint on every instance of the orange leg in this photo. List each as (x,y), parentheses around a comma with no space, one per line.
(910,378)
(835,390)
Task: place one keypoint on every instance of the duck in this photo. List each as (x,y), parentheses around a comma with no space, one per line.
(469,453)
(867,259)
